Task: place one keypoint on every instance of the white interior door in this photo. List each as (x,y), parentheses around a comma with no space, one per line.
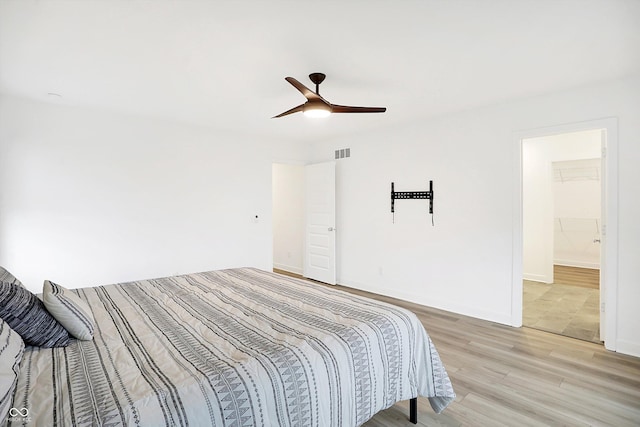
(320,214)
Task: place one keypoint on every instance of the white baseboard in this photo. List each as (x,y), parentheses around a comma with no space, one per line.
(289,268)
(536,278)
(630,348)
(504,319)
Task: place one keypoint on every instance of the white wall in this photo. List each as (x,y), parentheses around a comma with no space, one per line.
(89,197)
(538,155)
(537,212)
(464,264)
(288,217)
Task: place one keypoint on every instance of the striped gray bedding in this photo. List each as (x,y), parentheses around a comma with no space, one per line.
(238,347)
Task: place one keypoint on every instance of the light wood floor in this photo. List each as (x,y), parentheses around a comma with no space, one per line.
(506,376)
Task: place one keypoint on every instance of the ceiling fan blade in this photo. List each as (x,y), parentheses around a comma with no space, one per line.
(348,109)
(291,111)
(308,93)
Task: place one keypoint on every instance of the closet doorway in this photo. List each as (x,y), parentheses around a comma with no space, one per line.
(562,197)
(303,212)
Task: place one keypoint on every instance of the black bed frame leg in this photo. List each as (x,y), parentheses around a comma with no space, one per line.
(413,410)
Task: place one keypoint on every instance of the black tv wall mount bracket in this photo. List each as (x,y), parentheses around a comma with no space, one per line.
(412,195)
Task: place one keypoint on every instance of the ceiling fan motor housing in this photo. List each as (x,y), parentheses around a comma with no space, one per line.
(317,78)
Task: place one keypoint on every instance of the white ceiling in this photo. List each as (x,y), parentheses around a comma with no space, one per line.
(222,63)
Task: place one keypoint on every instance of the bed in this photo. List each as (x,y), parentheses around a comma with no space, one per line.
(236,347)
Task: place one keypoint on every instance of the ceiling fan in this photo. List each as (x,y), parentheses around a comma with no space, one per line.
(317,106)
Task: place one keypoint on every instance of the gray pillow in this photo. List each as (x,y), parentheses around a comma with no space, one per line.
(11,350)
(72,312)
(5,276)
(26,315)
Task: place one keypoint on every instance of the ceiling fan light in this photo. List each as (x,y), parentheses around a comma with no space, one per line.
(316,110)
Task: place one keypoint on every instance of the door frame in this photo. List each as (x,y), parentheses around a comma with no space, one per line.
(609,251)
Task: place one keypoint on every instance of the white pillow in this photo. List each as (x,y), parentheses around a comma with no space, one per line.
(11,350)
(69,310)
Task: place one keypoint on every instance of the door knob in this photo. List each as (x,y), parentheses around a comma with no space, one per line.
(331,229)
